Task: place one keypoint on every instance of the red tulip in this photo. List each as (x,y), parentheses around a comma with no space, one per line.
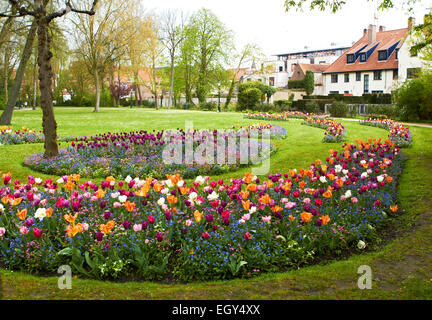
(37,232)
(247,236)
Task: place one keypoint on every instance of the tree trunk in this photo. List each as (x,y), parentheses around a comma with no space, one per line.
(230,94)
(171,97)
(35,84)
(4,31)
(46,77)
(97,86)
(6,117)
(6,75)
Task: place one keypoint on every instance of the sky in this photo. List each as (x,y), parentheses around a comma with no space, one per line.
(266,23)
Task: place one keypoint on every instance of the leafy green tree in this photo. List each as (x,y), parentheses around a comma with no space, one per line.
(212,45)
(309,82)
(414,98)
(249,97)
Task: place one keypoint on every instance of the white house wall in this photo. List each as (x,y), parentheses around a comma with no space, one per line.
(406,61)
(356,88)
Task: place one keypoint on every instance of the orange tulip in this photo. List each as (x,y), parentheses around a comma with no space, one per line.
(325,220)
(49,212)
(327,194)
(198,216)
(265,199)
(287,186)
(246,205)
(22,214)
(157,187)
(389,179)
(172,199)
(291,218)
(252,187)
(394,208)
(107,228)
(72,229)
(244,195)
(99,194)
(130,206)
(70,218)
(248,177)
(276,209)
(306,216)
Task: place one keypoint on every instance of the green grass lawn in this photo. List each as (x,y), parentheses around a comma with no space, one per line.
(402,265)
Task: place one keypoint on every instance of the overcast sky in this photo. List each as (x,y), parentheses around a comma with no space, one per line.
(266,23)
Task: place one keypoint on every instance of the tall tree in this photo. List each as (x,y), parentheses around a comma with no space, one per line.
(6,117)
(153,55)
(309,82)
(101,41)
(38,9)
(213,45)
(172,27)
(249,53)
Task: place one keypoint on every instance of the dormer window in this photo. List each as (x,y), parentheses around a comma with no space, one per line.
(363,57)
(382,55)
(350,58)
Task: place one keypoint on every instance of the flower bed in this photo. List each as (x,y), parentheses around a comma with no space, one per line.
(334,131)
(205,230)
(10,136)
(140,154)
(276,132)
(399,134)
(285,116)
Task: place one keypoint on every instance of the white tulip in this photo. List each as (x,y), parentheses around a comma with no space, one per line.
(40,213)
(361,245)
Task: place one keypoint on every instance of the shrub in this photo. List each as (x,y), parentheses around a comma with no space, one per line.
(414,98)
(249,98)
(312,106)
(388,111)
(296,84)
(338,109)
(209,106)
(309,82)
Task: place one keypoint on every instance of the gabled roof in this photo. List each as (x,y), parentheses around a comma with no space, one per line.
(384,39)
(315,68)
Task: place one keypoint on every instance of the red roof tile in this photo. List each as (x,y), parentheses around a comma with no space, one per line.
(385,39)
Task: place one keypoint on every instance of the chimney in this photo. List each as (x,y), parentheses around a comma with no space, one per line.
(382,29)
(411,22)
(371,32)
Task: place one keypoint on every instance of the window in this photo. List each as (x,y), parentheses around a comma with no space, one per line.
(271,81)
(363,57)
(395,74)
(334,78)
(377,75)
(350,58)
(280,69)
(346,92)
(412,73)
(334,92)
(382,55)
(358,76)
(346,77)
(413,54)
(397,54)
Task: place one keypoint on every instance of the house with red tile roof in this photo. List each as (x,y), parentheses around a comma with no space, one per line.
(377,63)
(300,70)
